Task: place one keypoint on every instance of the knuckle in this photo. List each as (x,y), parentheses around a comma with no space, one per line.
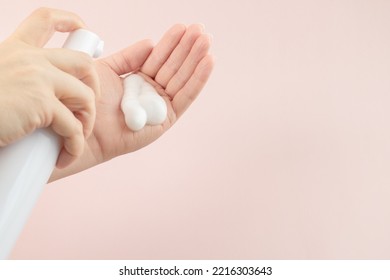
(45,117)
(78,139)
(87,99)
(87,112)
(85,65)
(86,62)
(37,122)
(91,97)
(74,146)
(90,104)
(44,13)
(3,143)
(77,128)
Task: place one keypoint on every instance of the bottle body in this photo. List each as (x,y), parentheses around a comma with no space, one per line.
(26,165)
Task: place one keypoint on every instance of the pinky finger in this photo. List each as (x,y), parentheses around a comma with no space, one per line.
(67,126)
(194,85)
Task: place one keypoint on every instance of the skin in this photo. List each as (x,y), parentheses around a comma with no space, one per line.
(178,67)
(56,88)
(47,87)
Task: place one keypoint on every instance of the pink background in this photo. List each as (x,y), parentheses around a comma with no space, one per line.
(286,153)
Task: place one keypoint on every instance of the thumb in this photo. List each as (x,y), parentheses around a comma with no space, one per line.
(130,58)
(38,28)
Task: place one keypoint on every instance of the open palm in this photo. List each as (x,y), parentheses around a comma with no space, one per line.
(178,67)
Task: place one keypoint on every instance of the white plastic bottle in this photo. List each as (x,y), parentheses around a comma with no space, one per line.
(26,165)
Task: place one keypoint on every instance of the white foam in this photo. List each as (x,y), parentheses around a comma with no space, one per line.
(141,104)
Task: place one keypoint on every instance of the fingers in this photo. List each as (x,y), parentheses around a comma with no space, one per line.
(70,129)
(178,56)
(194,85)
(163,50)
(38,28)
(77,97)
(76,85)
(74,82)
(187,68)
(129,59)
(77,64)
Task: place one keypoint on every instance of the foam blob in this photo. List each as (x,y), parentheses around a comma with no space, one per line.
(141,104)
(155,108)
(135,116)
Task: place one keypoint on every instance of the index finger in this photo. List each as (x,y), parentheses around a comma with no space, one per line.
(38,28)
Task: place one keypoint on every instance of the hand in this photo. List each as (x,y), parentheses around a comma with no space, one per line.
(46,87)
(178,67)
